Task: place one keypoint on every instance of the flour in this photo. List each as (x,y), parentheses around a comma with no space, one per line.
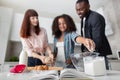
(94,66)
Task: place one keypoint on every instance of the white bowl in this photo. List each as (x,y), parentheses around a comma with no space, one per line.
(77,61)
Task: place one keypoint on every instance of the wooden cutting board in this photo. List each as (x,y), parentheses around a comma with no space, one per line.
(44,67)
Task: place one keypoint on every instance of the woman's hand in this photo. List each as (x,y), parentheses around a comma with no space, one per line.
(46,60)
(51,56)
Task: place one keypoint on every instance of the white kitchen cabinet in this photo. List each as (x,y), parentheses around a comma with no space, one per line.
(115,64)
(7,66)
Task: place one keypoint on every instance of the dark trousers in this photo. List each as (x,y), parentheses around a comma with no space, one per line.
(107,63)
(34,61)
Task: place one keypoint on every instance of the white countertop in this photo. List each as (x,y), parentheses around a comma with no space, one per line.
(111,75)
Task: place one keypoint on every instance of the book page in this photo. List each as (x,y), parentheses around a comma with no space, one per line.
(45,75)
(76,79)
(71,73)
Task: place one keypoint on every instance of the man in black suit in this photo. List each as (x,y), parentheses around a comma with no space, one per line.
(93,27)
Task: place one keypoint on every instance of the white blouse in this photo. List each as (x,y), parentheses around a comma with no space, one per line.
(60,59)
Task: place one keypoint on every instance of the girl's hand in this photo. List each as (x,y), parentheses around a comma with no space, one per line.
(68,61)
(89,44)
(52,59)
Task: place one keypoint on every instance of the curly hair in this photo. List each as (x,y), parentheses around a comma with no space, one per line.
(25,28)
(69,22)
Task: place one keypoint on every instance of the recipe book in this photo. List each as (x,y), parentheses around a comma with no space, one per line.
(65,74)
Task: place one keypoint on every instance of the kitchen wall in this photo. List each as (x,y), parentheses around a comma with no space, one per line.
(112,9)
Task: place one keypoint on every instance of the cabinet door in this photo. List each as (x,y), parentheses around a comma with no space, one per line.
(115,65)
(5,24)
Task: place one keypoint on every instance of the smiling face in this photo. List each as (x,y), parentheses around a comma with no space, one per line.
(82,8)
(62,25)
(34,21)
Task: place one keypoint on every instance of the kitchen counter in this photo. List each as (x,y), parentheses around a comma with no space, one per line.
(111,75)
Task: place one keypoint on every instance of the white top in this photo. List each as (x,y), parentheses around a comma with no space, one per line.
(60,59)
(83,26)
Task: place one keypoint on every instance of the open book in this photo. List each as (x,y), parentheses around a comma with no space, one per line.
(65,74)
(45,75)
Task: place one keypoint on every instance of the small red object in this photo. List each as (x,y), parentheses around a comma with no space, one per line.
(19,68)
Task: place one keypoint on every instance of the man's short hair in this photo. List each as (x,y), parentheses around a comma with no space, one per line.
(87,1)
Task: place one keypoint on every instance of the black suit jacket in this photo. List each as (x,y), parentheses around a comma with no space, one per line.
(95,30)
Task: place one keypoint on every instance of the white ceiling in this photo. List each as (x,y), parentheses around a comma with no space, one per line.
(49,8)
